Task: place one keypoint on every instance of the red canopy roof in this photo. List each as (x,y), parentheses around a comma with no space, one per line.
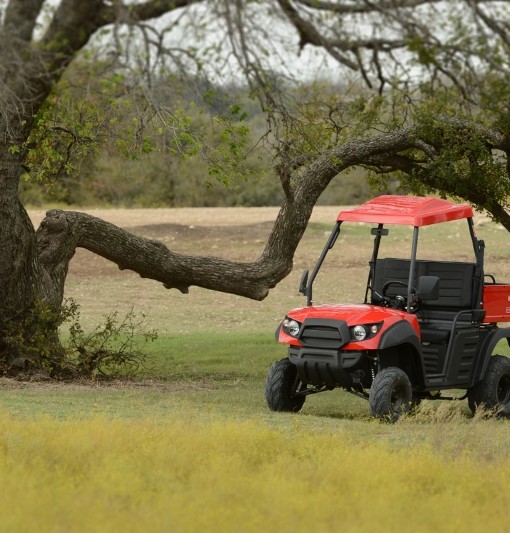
(410,210)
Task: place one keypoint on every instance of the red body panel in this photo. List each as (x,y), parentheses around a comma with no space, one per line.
(353,315)
(408,210)
(496,303)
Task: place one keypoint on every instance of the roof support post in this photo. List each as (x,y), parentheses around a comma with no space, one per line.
(412,267)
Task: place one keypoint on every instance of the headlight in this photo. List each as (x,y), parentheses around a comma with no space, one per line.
(365,331)
(291,327)
(359,333)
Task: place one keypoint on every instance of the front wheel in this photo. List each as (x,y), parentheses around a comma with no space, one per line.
(281,384)
(493,391)
(391,394)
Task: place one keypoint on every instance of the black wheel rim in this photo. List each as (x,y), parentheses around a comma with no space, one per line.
(503,392)
(397,398)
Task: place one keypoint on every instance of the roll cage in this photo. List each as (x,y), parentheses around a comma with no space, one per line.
(401,210)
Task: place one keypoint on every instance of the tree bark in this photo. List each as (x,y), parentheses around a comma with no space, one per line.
(18,255)
(62,231)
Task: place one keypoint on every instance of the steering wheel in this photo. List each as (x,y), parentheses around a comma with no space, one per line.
(399,301)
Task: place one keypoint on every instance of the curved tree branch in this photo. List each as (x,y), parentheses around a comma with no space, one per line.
(61,232)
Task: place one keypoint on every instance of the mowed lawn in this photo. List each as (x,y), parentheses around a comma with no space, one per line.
(190,445)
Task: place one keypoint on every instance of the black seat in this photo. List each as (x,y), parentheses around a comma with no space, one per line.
(391,269)
(456,289)
(454,307)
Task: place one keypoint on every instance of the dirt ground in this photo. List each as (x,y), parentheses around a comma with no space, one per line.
(192,216)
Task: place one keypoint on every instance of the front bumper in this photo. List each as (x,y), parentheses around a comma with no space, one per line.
(325,367)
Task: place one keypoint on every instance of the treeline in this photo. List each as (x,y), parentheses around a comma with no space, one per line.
(154,182)
(154,170)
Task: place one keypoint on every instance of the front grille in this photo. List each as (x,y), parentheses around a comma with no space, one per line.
(325,367)
(324,333)
(321,336)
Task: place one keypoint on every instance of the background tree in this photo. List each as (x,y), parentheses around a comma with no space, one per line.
(424,99)
(436,72)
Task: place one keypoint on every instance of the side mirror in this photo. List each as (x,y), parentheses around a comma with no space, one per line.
(303,283)
(428,288)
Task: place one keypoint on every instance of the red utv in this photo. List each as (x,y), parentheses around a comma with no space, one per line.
(425,326)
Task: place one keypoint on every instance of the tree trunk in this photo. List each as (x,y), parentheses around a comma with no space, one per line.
(32,283)
(23,289)
(18,253)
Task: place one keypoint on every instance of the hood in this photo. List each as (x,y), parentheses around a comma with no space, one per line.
(352,313)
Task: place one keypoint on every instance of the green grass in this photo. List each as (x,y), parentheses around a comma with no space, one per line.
(219,374)
(212,354)
(215,376)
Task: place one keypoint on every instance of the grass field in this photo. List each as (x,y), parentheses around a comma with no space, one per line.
(189,445)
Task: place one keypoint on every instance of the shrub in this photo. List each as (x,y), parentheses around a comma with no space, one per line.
(33,345)
(112,347)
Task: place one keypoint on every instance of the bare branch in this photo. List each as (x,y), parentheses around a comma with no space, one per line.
(62,231)
(363,6)
(309,34)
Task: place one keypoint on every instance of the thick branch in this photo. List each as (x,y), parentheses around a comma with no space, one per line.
(62,231)
(355,152)
(71,27)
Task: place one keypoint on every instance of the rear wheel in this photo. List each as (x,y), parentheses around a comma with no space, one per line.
(391,394)
(281,384)
(493,391)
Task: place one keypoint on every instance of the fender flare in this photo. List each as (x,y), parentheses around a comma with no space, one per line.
(399,333)
(403,333)
(486,351)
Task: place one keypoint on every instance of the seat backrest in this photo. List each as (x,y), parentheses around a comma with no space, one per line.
(456,286)
(456,282)
(390,269)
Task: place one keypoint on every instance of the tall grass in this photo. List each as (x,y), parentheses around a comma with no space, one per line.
(165,474)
